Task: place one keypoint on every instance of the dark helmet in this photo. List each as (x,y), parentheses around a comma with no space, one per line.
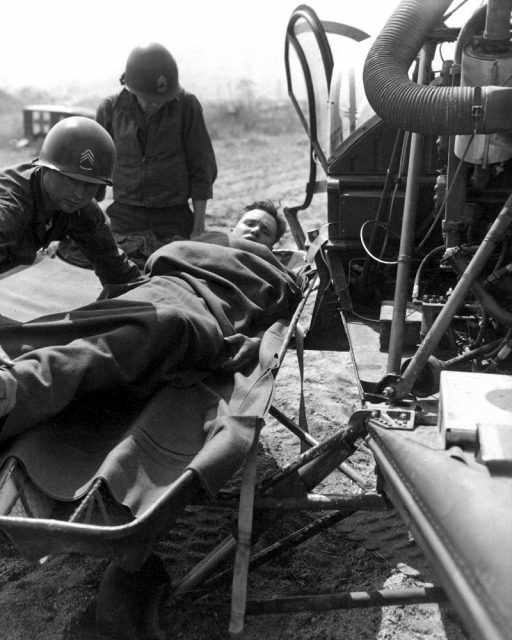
(79,148)
(152,73)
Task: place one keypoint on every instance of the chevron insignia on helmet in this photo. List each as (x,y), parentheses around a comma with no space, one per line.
(87,160)
(161,84)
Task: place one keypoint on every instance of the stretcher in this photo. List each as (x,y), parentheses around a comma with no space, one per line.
(121,469)
(109,475)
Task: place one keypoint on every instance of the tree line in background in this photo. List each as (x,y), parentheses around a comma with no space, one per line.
(242,114)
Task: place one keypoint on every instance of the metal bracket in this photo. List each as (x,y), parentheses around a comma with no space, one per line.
(399,419)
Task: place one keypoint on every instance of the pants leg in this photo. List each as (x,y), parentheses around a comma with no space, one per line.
(148,335)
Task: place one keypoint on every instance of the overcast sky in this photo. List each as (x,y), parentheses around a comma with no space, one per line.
(48,43)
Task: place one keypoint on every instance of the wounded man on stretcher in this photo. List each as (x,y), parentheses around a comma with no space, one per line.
(202,306)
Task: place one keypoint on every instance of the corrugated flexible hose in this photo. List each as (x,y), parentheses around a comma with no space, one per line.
(423,108)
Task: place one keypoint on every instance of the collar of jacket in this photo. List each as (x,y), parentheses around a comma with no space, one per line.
(127,101)
(45,209)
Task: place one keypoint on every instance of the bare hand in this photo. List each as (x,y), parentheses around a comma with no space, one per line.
(243,349)
(51,249)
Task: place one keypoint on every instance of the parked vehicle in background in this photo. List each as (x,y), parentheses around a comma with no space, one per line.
(38,119)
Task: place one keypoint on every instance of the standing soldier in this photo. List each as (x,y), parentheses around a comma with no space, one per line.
(165,165)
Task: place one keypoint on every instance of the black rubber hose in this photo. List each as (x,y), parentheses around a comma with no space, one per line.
(423,108)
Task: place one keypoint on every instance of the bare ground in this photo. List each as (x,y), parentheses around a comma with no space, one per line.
(54,600)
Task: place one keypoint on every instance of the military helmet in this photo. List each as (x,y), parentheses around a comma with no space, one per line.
(80,148)
(152,73)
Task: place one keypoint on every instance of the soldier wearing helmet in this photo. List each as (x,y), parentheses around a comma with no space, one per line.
(53,197)
(165,164)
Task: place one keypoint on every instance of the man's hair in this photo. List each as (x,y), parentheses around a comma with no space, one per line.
(269,207)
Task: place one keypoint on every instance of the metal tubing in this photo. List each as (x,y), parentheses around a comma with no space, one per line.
(483,296)
(497,22)
(350,600)
(455,199)
(344,467)
(310,502)
(343,439)
(226,549)
(407,235)
(295,319)
(327,502)
(289,542)
(470,355)
(441,323)
(205,569)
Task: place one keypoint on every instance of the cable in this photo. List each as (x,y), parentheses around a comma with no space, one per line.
(367,250)
(416,285)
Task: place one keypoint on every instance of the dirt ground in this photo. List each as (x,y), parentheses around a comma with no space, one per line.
(54,600)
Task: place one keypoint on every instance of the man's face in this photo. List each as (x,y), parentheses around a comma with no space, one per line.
(257,225)
(68,194)
(149,107)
